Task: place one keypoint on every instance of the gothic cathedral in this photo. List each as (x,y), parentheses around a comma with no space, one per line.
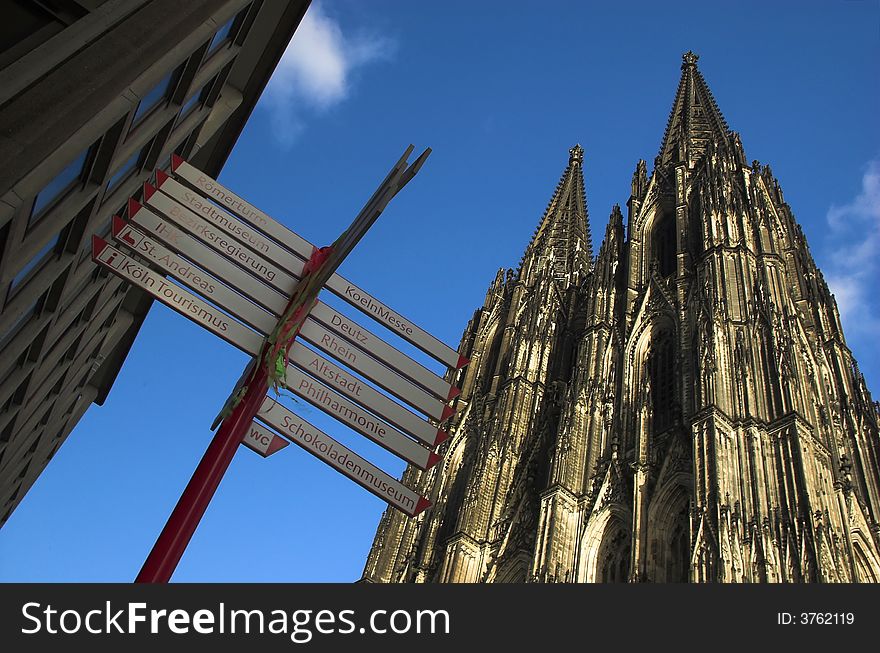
(681,407)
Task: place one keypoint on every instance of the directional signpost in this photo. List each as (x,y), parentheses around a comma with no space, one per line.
(210,255)
(263,441)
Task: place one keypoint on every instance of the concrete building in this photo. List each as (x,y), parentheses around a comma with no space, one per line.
(93,96)
(680,407)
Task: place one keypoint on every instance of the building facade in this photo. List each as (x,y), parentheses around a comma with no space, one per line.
(682,407)
(94,95)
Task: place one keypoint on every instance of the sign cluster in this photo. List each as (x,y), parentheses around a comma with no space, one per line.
(210,255)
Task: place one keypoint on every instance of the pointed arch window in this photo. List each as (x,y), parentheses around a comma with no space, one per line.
(663,247)
(678,558)
(661,376)
(614,556)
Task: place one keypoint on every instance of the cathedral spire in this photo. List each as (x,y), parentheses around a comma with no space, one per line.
(562,239)
(695,119)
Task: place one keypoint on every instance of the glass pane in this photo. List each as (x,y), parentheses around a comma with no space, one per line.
(58,186)
(38,258)
(152,99)
(190,104)
(123,172)
(221,35)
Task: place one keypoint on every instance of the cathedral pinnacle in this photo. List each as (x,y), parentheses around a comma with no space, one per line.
(695,119)
(688,59)
(576,154)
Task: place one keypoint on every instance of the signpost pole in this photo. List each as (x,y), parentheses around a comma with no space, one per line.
(185,518)
(182,523)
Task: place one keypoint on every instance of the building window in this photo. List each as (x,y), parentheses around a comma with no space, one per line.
(36,262)
(125,171)
(190,105)
(163,164)
(222,36)
(153,99)
(59,187)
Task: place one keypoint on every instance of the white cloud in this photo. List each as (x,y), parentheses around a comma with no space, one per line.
(855,269)
(316,70)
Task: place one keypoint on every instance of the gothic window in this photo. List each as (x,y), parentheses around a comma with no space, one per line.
(661,377)
(664,245)
(678,559)
(614,556)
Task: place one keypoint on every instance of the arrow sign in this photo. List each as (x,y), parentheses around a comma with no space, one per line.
(374,401)
(175,297)
(302,356)
(318,335)
(263,441)
(210,188)
(250,342)
(322,264)
(256,281)
(285,274)
(194,278)
(201,217)
(342,459)
(234,303)
(382,351)
(379,431)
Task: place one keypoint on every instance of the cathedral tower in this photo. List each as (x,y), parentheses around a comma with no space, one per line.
(681,408)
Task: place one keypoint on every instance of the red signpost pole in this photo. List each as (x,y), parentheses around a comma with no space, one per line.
(185,518)
(182,523)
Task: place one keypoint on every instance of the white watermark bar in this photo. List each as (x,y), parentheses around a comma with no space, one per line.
(340,457)
(211,189)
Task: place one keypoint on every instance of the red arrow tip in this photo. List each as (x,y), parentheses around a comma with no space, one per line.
(442,436)
(277,444)
(98,245)
(161,177)
(433,459)
(448,411)
(133,207)
(118,224)
(175,162)
(462,361)
(453,393)
(149,189)
(421,505)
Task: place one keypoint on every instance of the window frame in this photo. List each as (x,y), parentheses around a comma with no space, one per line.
(35,215)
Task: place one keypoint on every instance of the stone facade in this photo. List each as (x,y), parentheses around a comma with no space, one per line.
(681,407)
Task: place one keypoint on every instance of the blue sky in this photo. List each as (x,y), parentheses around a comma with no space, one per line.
(500,91)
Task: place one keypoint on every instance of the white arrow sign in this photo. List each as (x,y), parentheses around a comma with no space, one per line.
(250,342)
(374,401)
(234,276)
(263,441)
(378,430)
(209,188)
(300,355)
(344,460)
(319,336)
(175,297)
